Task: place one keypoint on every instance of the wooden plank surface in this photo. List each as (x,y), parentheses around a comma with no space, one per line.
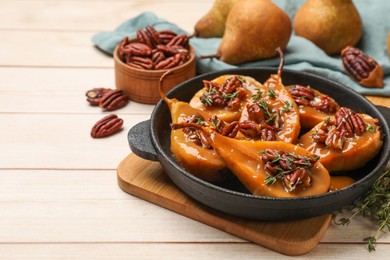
(58,191)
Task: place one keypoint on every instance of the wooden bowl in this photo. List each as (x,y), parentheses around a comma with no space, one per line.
(142,85)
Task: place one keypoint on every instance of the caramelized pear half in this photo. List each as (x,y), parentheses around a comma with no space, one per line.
(200,161)
(269,168)
(271,114)
(340,144)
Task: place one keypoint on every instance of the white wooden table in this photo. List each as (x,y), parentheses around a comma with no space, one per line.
(59,196)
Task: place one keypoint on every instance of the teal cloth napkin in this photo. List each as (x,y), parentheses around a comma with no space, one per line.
(300,54)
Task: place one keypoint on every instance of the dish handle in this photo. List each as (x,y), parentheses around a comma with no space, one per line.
(385,111)
(140,142)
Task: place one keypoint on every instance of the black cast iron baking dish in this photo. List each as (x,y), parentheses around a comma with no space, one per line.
(151,140)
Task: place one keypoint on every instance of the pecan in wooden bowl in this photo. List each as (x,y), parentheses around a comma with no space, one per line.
(140,62)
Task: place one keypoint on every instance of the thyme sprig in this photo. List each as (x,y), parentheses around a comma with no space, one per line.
(375,203)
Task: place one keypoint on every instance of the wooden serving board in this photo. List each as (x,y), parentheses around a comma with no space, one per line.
(146,180)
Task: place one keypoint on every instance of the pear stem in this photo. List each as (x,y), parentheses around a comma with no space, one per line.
(161,87)
(211,56)
(281,64)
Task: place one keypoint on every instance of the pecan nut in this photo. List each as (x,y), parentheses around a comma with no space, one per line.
(113,100)
(166,36)
(157,56)
(224,128)
(153,34)
(106,126)
(350,122)
(171,50)
(179,40)
(145,38)
(137,49)
(140,62)
(95,95)
(363,68)
(301,94)
(170,62)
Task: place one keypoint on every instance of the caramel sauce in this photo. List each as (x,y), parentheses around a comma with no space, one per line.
(340,182)
(357,150)
(310,117)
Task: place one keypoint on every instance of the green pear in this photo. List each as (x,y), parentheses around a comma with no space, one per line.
(213,23)
(254,30)
(330,24)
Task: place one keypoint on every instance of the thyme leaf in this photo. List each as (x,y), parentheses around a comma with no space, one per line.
(258,95)
(370,128)
(269,180)
(287,106)
(271,93)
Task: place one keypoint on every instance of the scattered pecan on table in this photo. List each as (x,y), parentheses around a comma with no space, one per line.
(113,100)
(95,95)
(362,68)
(155,50)
(108,99)
(106,126)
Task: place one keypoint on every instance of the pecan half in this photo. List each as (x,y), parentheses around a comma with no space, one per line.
(95,95)
(363,68)
(143,37)
(261,131)
(166,36)
(137,49)
(224,128)
(179,40)
(122,46)
(350,122)
(140,62)
(113,100)
(153,35)
(170,62)
(157,56)
(302,94)
(106,126)
(172,50)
